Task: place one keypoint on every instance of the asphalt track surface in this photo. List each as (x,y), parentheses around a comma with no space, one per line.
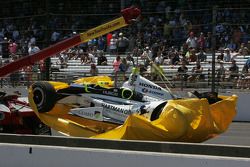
(237,134)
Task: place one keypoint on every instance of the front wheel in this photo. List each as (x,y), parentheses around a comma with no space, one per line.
(44,96)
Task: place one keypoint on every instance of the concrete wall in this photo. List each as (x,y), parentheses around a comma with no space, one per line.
(243,107)
(12,155)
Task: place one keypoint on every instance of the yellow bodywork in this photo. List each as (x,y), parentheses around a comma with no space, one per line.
(185,120)
(103,81)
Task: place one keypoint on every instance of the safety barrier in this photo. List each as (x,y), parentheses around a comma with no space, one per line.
(43,151)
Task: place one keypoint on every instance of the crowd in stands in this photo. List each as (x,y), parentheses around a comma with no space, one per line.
(172,36)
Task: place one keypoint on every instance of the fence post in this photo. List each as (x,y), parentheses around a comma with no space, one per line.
(213,49)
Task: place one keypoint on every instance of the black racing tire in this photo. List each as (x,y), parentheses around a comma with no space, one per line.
(44,96)
(157,111)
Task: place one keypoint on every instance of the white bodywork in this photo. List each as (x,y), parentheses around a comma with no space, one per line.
(116,109)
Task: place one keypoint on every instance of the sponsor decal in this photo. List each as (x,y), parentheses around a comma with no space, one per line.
(84,113)
(112,93)
(149,86)
(102,29)
(117,109)
(144,90)
(156,93)
(90,113)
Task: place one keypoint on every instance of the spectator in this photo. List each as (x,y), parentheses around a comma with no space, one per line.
(201,41)
(191,55)
(122,43)
(117,63)
(182,72)
(156,71)
(191,41)
(42,67)
(102,59)
(113,45)
(63,61)
(233,71)
(91,59)
(197,73)
(174,57)
(93,50)
(143,69)
(227,57)
(147,56)
(159,58)
(93,70)
(33,49)
(231,46)
(245,51)
(123,67)
(71,52)
(220,57)
(55,37)
(78,52)
(5,49)
(201,56)
(208,41)
(248,63)
(220,72)
(84,58)
(88,58)
(12,47)
(108,39)
(155,48)
(130,59)
(101,43)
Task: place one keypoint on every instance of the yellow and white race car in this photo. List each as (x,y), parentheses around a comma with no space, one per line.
(139,110)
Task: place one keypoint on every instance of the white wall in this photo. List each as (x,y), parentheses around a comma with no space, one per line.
(243,106)
(12,155)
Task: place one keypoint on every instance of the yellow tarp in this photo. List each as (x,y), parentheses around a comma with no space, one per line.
(188,120)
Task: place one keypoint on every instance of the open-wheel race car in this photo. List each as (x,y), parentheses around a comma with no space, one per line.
(16,116)
(138,110)
(95,98)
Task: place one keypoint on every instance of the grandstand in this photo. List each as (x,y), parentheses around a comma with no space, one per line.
(165,28)
(76,69)
(167,23)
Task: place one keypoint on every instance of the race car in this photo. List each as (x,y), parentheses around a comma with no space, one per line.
(138,110)
(16,116)
(96,98)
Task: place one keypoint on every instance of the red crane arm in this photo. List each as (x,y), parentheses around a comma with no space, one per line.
(128,16)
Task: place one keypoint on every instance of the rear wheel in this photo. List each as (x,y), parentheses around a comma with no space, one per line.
(44,96)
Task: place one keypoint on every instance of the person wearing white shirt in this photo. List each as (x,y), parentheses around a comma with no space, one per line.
(33,49)
(192,41)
